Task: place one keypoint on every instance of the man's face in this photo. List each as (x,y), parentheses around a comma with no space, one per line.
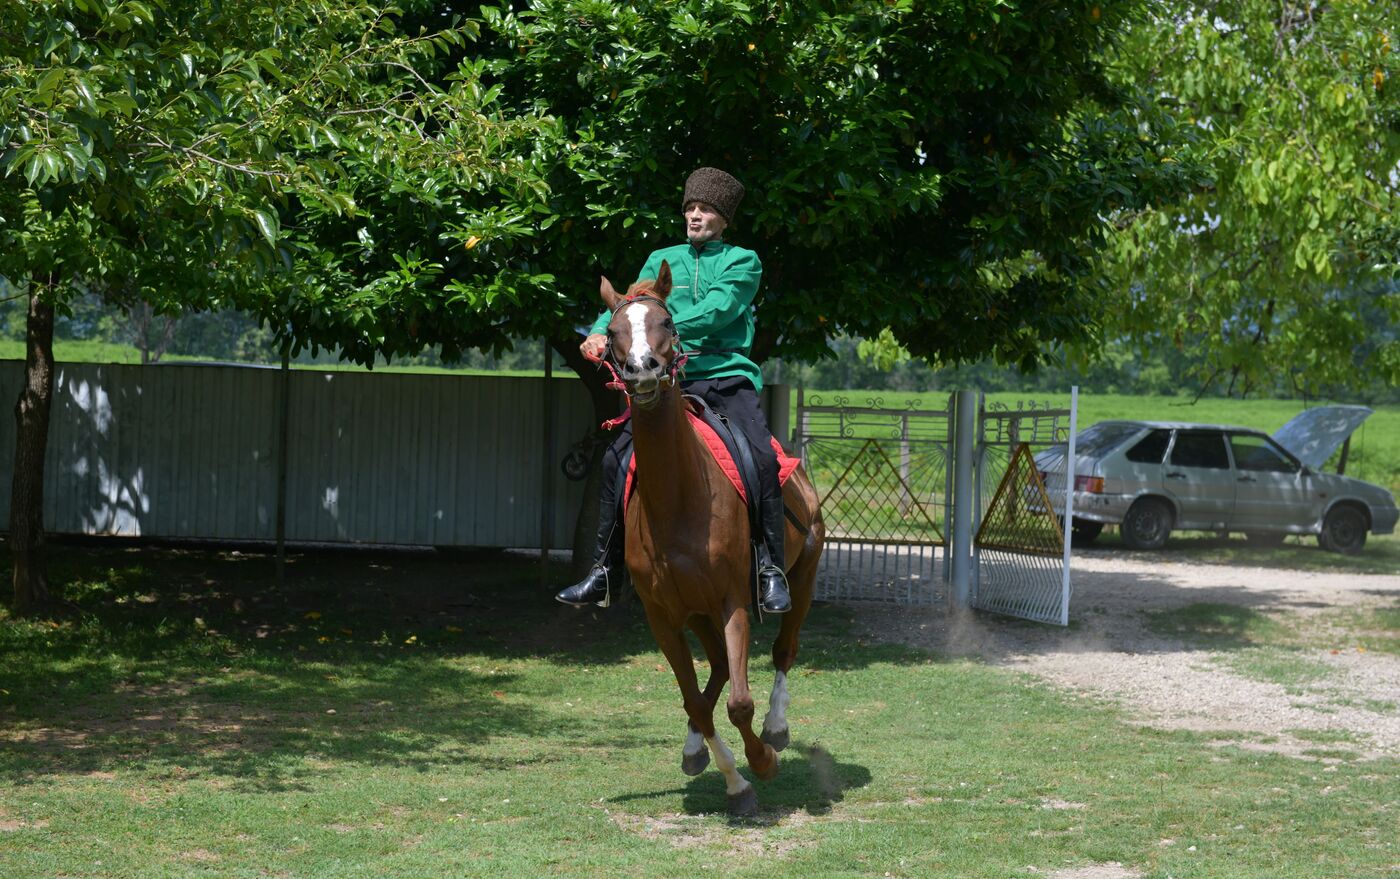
(703,223)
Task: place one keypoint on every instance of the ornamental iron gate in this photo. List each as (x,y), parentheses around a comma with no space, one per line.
(1020,556)
(882,475)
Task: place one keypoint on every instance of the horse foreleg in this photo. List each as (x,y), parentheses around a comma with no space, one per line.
(695,756)
(762,758)
(677,653)
(803,581)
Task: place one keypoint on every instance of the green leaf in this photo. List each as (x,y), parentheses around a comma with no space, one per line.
(267,225)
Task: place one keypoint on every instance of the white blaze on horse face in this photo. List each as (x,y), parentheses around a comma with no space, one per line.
(641,349)
(724,762)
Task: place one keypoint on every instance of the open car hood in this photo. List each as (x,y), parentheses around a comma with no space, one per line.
(1314,434)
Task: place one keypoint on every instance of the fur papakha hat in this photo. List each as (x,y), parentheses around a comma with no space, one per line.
(713,186)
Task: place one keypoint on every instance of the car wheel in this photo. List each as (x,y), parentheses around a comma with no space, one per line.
(1343,530)
(1083,532)
(1264,538)
(1148,523)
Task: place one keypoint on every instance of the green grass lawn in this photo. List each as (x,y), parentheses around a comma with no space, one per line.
(422,716)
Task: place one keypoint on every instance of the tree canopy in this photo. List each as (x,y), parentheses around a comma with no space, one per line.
(1278,268)
(941,169)
(168,148)
(169,151)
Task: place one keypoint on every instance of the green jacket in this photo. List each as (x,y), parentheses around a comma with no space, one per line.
(711,294)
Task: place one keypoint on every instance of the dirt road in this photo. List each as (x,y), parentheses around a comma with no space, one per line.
(1343,694)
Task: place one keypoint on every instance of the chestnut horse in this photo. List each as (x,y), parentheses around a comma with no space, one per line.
(688,547)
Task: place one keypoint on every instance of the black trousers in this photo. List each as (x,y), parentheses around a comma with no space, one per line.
(737,400)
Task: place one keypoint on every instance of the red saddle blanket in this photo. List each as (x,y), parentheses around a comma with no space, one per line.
(786,463)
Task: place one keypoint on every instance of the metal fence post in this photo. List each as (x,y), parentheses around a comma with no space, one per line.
(960,595)
(547,465)
(284,402)
(1069,503)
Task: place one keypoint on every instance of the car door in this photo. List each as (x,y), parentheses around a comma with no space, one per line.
(1271,491)
(1197,475)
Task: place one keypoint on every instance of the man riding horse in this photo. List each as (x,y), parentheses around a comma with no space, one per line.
(713,288)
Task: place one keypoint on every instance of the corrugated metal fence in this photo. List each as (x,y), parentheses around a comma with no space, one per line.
(191,451)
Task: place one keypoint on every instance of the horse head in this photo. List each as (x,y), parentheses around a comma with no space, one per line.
(643,345)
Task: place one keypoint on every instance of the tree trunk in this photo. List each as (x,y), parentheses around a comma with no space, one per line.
(606,404)
(31,439)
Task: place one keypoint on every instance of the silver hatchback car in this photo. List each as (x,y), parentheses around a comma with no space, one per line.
(1150,477)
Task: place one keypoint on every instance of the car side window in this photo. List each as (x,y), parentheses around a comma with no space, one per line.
(1258,454)
(1151,448)
(1199,448)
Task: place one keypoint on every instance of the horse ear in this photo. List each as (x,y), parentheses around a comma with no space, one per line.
(663,281)
(610,297)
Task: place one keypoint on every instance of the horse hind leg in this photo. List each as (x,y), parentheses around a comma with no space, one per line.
(802,580)
(775,724)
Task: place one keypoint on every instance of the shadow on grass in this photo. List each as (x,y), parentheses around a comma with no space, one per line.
(809,780)
(1381,554)
(195,661)
(1216,626)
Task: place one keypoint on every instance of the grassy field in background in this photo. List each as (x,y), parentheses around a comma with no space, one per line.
(422,716)
(66,351)
(1375,448)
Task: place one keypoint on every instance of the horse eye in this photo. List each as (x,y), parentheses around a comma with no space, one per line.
(670,325)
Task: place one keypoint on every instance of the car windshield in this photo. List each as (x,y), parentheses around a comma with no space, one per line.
(1104,437)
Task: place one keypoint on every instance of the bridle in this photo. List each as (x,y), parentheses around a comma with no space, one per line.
(671,375)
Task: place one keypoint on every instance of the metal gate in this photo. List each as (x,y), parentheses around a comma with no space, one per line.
(882,474)
(1020,552)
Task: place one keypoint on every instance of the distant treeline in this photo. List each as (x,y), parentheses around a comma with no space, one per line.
(235,336)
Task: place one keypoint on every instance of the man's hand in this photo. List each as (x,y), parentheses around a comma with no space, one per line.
(594,346)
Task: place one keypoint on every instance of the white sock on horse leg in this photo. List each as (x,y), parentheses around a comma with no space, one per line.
(776,719)
(724,761)
(694,742)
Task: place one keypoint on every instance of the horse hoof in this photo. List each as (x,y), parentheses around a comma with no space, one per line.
(694,764)
(744,804)
(770,765)
(778,739)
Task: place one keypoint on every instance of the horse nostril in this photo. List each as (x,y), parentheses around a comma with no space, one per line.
(652,363)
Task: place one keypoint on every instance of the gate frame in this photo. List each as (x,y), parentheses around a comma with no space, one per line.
(848,428)
(1011,417)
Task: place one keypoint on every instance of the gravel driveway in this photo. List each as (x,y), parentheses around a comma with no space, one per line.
(1352,699)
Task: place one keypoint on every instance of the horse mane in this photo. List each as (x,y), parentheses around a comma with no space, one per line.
(644,285)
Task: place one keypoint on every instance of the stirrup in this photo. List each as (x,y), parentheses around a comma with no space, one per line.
(773,594)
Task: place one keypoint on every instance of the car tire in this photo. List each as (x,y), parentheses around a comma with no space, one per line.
(1343,530)
(1147,524)
(1265,539)
(1083,532)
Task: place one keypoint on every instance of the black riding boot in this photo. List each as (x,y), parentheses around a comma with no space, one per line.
(772,584)
(593,588)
